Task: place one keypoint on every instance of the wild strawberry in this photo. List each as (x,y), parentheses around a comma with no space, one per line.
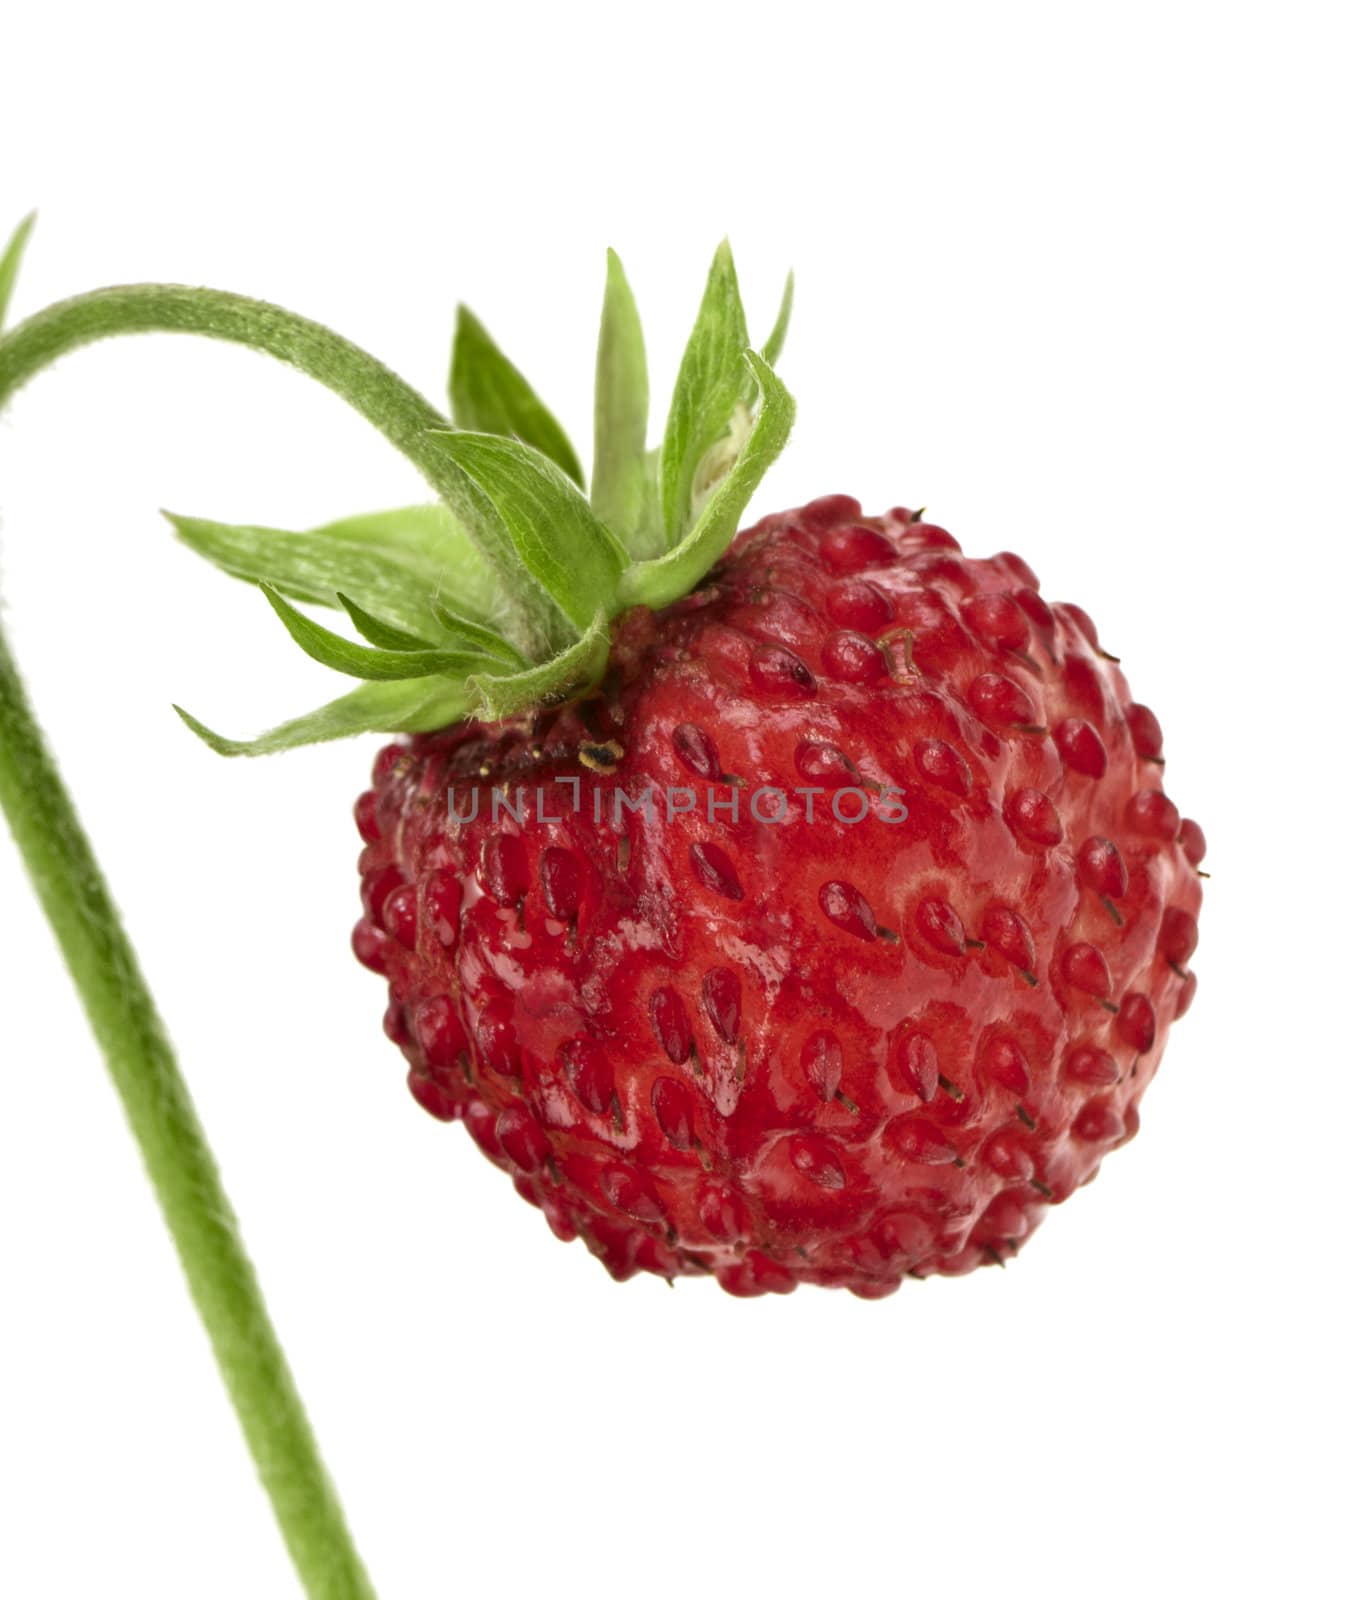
(794,1014)
(801,906)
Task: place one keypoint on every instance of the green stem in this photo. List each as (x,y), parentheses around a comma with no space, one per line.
(397,410)
(103,964)
(394,407)
(159,1108)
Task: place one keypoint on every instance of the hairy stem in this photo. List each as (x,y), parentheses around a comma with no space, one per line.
(397,410)
(179,1162)
(394,407)
(103,964)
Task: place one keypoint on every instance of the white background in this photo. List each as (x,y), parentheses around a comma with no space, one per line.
(1072,276)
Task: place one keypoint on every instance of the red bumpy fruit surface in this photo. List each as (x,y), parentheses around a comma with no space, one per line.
(816,1050)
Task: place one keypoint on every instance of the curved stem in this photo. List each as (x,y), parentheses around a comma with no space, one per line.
(397,410)
(180,1165)
(378,394)
(103,964)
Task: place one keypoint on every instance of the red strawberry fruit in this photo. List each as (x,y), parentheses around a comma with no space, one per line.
(801,906)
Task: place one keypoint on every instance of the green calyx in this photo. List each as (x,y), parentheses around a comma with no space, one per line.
(500,594)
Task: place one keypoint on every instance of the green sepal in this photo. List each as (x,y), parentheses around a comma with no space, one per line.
(380,633)
(469,635)
(435,544)
(776,339)
(420,706)
(489,394)
(547,522)
(620,486)
(706,392)
(391,563)
(660,582)
(567,674)
(11,260)
(361,661)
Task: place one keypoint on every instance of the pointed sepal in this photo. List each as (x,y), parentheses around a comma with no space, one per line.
(330,649)
(545,521)
(706,393)
(662,581)
(620,489)
(419,706)
(11,259)
(776,339)
(393,564)
(469,635)
(378,632)
(489,394)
